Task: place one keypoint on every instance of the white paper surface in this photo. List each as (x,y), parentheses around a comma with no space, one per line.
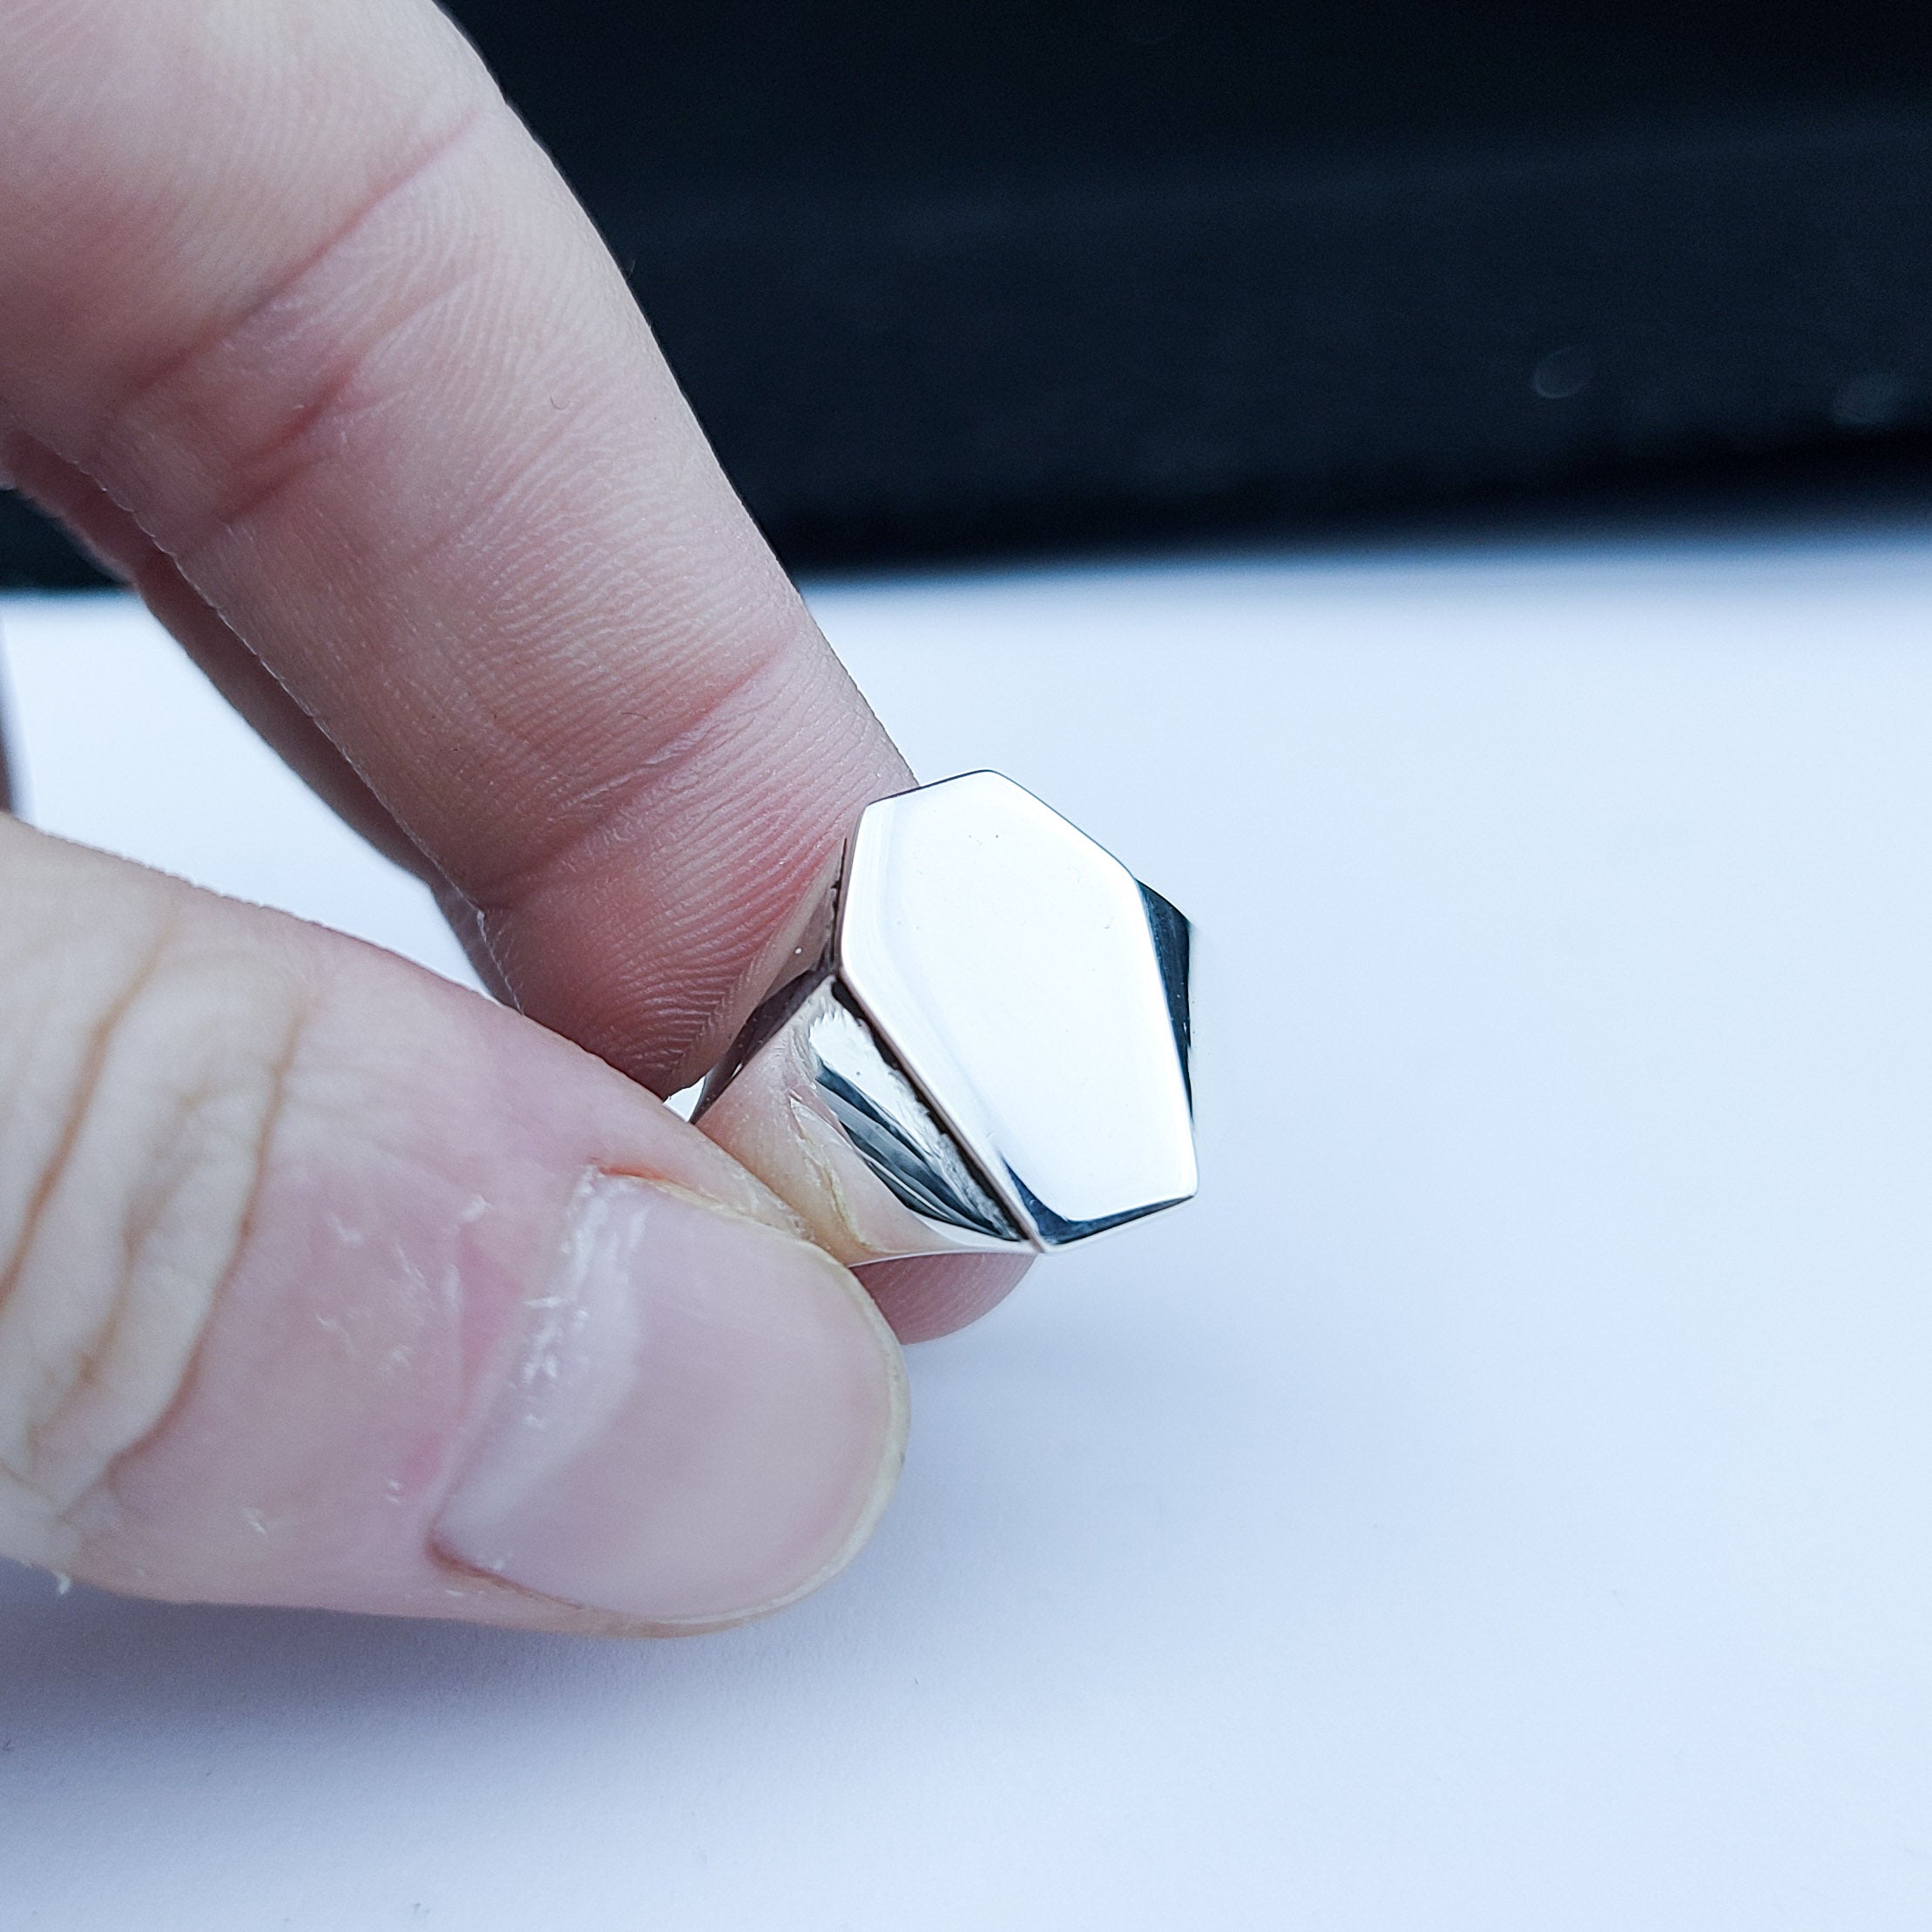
(1502,1503)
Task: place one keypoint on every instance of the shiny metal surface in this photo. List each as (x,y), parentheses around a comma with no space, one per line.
(998,1024)
(893,1129)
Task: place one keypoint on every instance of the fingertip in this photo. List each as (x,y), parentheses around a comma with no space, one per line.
(926,1296)
(700,1419)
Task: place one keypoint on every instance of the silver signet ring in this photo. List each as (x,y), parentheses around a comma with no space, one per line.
(986,1046)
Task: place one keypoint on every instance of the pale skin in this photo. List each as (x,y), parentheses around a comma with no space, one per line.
(322,1281)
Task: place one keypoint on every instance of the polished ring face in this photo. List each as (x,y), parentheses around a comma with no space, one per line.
(998,1023)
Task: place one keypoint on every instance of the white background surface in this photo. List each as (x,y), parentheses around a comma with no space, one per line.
(1503,1501)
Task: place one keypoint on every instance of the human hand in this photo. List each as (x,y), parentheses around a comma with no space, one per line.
(322,1281)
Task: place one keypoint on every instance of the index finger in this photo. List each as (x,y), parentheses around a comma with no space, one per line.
(294,287)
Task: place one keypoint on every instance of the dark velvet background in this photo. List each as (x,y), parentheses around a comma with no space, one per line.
(950,279)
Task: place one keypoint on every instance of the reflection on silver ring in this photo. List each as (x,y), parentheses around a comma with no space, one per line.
(994,1019)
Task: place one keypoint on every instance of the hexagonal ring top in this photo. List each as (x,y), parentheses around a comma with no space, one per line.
(999,1021)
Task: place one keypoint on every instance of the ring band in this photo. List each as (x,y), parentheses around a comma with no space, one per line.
(989,1048)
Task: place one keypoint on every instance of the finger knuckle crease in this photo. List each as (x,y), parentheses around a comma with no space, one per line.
(132,1222)
(593,818)
(311,378)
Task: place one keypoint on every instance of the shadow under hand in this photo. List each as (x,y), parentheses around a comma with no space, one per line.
(80,1662)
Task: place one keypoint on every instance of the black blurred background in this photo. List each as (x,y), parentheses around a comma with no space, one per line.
(966,279)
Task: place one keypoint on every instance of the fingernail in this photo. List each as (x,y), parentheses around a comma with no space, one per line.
(702,1420)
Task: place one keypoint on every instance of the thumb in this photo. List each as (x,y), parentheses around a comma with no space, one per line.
(324,1282)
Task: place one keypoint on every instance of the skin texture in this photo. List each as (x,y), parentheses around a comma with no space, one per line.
(300,331)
